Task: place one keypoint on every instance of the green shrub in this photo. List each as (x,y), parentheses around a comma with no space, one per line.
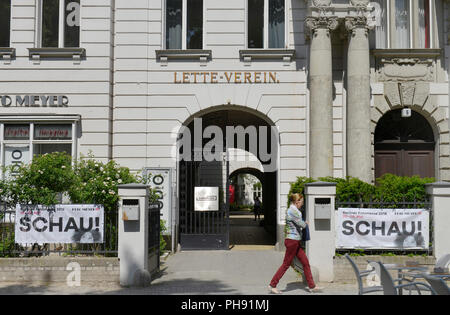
(97,182)
(41,181)
(391,188)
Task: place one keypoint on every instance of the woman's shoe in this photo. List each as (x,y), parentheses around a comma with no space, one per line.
(274,290)
(315,289)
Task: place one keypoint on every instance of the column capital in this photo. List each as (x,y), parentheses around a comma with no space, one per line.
(357,22)
(313,23)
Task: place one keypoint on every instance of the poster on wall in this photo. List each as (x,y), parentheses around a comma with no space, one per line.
(16,156)
(159,179)
(62,224)
(206,199)
(383,229)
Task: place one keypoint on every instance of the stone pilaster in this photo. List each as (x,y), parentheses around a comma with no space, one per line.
(359,145)
(321,96)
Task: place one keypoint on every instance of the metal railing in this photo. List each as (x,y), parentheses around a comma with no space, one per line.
(8,248)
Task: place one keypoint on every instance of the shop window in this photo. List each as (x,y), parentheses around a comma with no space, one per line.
(266,26)
(60,23)
(5,23)
(402,24)
(22,141)
(184,24)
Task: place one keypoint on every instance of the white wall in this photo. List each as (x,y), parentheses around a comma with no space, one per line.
(87,85)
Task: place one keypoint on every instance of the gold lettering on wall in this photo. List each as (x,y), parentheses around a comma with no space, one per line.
(225,77)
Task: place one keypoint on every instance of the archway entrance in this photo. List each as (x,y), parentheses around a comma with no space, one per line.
(206,147)
(404,146)
(247,210)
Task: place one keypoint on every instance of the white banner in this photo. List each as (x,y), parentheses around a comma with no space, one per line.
(383,228)
(64,224)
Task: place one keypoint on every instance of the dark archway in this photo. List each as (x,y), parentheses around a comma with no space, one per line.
(404,146)
(210,229)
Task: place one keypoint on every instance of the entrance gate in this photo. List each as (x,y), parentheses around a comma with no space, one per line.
(203,230)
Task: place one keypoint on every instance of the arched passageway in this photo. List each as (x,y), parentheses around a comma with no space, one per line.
(207,144)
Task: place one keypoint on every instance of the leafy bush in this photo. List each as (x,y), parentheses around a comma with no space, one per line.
(388,188)
(391,188)
(97,182)
(40,182)
(85,181)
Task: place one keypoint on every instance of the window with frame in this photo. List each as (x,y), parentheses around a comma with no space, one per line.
(266,24)
(21,141)
(60,23)
(403,24)
(184,24)
(5,23)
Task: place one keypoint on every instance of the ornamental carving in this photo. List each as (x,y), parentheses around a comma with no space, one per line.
(406,69)
(359,3)
(314,23)
(356,21)
(406,64)
(410,94)
(322,3)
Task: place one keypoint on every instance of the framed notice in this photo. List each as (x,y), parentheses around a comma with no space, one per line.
(206,199)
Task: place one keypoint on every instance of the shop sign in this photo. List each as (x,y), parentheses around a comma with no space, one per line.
(225,77)
(34,100)
(54,132)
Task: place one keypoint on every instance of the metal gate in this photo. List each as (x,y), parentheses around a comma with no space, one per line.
(203,230)
(154,217)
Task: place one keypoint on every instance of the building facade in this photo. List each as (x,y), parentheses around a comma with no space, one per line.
(326,88)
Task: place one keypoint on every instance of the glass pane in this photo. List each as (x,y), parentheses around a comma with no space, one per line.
(402,22)
(276,24)
(424,24)
(255,23)
(46,148)
(17,132)
(53,132)
(174,18)
(72,23)
(194,39)
(5,21)
(50,23)
(378,19)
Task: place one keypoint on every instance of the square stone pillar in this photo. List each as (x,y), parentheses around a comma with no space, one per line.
(133,235)
(440,199)
(320,214)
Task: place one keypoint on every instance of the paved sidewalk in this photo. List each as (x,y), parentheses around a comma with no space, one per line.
(235,272)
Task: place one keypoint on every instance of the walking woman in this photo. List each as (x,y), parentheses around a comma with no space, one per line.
(294,225)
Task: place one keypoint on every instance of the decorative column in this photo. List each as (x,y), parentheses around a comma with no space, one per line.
(359,144)
(321,96)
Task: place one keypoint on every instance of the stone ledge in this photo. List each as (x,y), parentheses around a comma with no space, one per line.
(249,55)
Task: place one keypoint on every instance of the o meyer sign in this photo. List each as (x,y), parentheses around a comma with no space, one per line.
(59,224)
(383,229)
(34,101)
